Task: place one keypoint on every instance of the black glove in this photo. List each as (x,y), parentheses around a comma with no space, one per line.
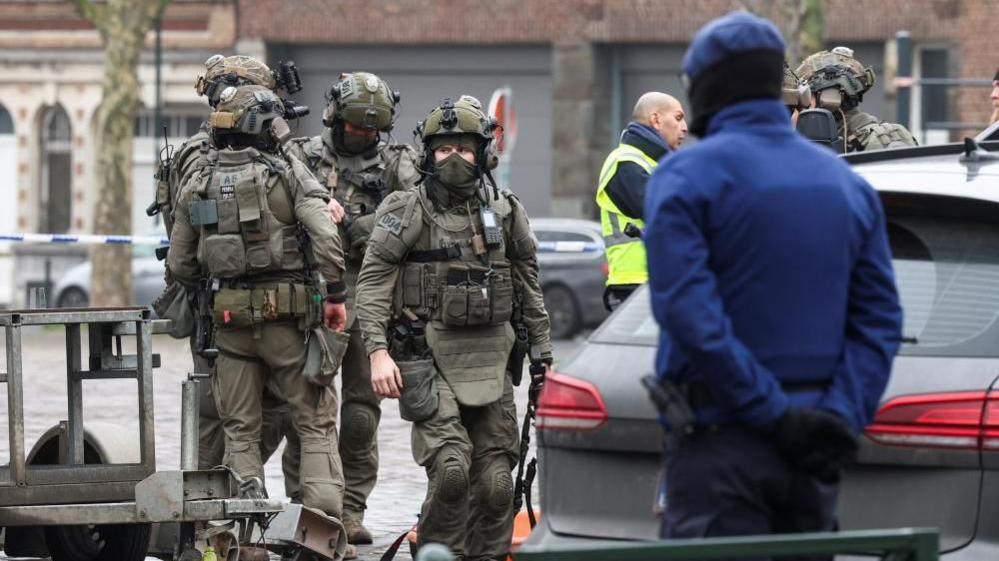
(815,441)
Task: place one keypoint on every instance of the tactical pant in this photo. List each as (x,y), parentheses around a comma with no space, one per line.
(277,424)
(359,417)
(273,356)
(732,481)
(469,454)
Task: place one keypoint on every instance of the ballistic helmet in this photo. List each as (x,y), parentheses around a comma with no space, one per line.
(839,70)
(363,100)
(794,92)
(247,110)
(463,122)
(222,72)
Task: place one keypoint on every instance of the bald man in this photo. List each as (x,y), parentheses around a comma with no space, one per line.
(658,126)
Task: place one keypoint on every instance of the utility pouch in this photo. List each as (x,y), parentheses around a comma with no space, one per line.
(454,306)
(412,285)
(233,308)
(228,216)
(324,355)
(175,305)
(478,304)
(419,399)
(204,213)
(501,288)
(225,256)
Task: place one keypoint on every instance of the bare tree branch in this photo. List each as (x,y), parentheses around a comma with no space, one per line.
(91,12)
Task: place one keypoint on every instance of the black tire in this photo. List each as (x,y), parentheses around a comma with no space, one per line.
(73,297)
(111,542)
(563,311)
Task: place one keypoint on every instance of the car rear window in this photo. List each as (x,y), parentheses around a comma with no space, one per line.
(947,272)
(631,324)
(945,252)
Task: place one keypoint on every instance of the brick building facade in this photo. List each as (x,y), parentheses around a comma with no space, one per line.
(582,35)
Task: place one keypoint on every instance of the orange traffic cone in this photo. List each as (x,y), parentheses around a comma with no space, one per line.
(521,529)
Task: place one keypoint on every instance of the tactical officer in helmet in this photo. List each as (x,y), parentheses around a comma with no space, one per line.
(838,82)
(187,161)
(238,224)
(449,266)
(359,168)
(795,94)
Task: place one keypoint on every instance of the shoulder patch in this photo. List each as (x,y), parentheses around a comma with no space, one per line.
(391,222)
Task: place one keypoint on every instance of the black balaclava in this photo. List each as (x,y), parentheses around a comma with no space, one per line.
(740,77)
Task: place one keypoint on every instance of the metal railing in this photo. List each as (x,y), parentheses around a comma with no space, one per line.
(904,544)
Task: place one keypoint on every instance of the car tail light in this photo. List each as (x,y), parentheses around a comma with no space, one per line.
(958,420)
(605,269)
(569,404)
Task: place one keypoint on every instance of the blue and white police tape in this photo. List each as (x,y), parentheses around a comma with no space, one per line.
(569,247)
(84,239)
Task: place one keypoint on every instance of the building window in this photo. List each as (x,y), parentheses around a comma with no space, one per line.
(179,123)
(57,163)
(6,123)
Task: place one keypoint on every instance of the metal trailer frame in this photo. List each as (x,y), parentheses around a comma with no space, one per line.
(76,493)
(22,484)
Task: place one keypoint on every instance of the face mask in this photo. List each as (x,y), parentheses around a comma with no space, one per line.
(457,175)
(351,143)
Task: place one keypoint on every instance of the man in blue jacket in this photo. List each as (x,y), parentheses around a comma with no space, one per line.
(771,279)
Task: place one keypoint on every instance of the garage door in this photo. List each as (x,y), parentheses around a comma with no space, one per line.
(425,74)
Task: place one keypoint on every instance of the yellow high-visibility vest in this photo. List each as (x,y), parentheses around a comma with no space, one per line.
(625,255)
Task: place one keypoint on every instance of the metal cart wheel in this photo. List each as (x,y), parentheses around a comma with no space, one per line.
(113,542)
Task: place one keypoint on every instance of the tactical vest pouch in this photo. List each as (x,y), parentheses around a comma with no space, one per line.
(479,312)
(413,285)
(419,399)
(501,288)
(225,256)
(249,198)
(454,306)
(232,308)
(472,360)
(324,355)
(228,216)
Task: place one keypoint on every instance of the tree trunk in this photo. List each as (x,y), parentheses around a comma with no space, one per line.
(112,270)
(123,25)
(813,28)
(799,21)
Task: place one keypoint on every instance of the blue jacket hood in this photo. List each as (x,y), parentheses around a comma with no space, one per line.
(734,33)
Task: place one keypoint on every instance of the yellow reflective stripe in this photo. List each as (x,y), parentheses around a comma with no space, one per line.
(625,255)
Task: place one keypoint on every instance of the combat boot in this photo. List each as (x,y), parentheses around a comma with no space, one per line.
(356,532)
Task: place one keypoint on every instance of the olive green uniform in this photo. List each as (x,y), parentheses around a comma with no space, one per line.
(189,159)
(264,304)
(866,132)
(359,183)
(421,257)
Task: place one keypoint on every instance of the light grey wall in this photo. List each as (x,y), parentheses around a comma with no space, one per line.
(425,74)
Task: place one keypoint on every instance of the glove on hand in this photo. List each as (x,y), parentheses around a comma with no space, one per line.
(815,441)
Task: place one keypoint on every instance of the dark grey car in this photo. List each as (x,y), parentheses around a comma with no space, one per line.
(931,457)
(573,273)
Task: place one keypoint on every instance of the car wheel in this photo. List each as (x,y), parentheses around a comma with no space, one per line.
(73,297)
(563,313)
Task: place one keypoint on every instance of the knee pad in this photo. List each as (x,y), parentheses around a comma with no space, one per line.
(359,423)
(495,489)
(452,479)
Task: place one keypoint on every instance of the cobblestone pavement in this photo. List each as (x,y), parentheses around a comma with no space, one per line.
(392,506)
